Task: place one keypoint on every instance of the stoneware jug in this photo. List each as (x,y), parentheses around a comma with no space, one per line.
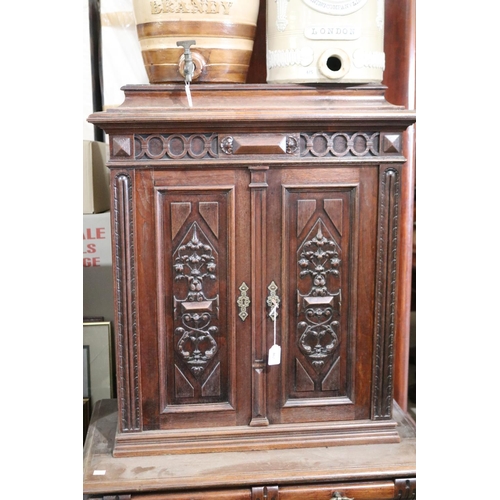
(216,36)
(325,41)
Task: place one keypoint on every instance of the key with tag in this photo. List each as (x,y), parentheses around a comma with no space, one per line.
(274,356)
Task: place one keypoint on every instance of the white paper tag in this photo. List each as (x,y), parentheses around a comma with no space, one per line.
(99,473)
(274,357)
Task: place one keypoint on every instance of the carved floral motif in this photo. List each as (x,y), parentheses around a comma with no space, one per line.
(319,257)
(195,263)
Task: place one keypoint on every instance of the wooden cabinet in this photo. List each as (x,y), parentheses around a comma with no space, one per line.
(258,196)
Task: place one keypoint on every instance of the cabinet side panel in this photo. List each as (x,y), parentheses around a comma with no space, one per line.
(386,293)
(127,347)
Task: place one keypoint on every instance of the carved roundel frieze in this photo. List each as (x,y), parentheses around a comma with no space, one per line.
(360,144)
(197,146)
(175,146)
(339,144)
(155,147)
(320,144)
(152,147)
(140,147)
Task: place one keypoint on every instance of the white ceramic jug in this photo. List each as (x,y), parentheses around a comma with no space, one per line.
(325,41)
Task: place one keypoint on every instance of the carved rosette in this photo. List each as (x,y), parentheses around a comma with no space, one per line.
(226,145)
(292,144)
(195,264)
(319,256)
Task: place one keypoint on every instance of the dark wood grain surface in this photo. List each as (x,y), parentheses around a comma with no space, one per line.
(380,463)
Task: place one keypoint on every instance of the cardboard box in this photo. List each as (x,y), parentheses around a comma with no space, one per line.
(96,190)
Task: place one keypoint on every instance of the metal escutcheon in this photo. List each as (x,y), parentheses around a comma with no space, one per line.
(243,301)
(273,300)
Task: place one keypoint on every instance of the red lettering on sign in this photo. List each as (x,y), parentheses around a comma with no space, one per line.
(91,262)
(98,233)
(90,248)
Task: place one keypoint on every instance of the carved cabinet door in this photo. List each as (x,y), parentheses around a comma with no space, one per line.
(322,258)
(200,221)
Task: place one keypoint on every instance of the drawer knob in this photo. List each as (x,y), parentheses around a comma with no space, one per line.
(338,496)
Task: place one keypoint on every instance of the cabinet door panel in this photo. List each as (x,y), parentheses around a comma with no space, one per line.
(317,268)
(198,344)
(326,231)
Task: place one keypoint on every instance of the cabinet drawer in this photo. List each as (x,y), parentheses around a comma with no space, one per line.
(241,494)
(372,490)
(377,490)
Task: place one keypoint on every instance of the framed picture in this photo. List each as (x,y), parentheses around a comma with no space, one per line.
(97,336)
(86,371)
(86,417)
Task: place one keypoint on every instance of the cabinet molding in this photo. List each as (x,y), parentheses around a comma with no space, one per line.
(125,303)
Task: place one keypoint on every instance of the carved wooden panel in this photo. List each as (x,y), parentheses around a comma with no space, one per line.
(193,250)
(318,264)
